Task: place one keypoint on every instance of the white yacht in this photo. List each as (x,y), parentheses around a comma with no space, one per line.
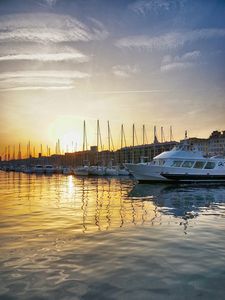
(181,164)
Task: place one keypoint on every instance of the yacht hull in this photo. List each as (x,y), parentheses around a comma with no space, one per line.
(146,173)
(195,177)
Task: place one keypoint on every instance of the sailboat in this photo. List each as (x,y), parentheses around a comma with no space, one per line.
(98,170)
(110,170)
(83,170)
(121,170)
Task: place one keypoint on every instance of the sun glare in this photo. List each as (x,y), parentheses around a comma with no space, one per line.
(69,131)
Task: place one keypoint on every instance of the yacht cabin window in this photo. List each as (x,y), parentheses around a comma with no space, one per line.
(188,164)
(159,162)
(199,164)
(210,165)
(177,163)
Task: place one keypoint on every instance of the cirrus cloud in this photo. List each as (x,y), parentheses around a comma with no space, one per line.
(185,61)
(124,71)
(48,27)
(28,80)
(156,6)
(172,40)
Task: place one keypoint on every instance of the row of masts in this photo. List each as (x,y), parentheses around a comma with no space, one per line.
(31,151)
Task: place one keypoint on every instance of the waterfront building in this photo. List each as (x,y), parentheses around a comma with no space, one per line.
(213,145)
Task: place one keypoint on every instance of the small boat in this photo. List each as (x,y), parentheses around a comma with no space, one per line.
(38,169)
(59,169)
(111,171)
(181,164)
(97,170)
(67,171)
(49,169)
(123,172)
(81,171)
(28,170)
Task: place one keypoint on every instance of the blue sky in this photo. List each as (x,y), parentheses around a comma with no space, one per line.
(154,62)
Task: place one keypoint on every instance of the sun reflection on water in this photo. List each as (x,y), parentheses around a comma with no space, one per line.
(65,202)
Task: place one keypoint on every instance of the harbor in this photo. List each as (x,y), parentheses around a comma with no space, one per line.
(112,150)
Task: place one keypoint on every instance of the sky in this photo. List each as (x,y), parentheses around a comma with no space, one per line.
(152,62)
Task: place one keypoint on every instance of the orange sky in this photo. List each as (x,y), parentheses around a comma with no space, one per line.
(126,62)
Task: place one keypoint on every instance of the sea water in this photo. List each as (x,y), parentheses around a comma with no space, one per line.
(63,237)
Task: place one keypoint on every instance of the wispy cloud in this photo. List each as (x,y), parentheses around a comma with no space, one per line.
(130,92)
(54,57)
(156,6)
(46,3)
(124,71)
(45,53)
(172,40)
(50,2)
(185,61)
(22,80)
(46,27)
(33,88)
(50,74)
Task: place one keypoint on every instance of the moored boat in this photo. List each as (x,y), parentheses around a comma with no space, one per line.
(49,169)
(181,164)
(111,171)
(39,169)
(97,170)
(81,171)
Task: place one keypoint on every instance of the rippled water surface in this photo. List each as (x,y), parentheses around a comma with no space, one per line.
(63,237)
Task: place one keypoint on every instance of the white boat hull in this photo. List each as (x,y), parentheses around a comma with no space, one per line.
(143,172)
(111,172)
(81,171)
(97,171)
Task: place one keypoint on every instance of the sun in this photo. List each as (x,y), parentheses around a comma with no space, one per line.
(70,142)
(69,131)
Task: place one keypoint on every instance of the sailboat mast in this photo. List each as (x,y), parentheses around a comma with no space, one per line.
(13,152)
(98,134)
(143,135)
(109,145)
(97,139)
(171,134)
(121,140)
(133,143)
(19,152)
(84,136)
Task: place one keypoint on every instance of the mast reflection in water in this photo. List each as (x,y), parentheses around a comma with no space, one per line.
(89,238)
